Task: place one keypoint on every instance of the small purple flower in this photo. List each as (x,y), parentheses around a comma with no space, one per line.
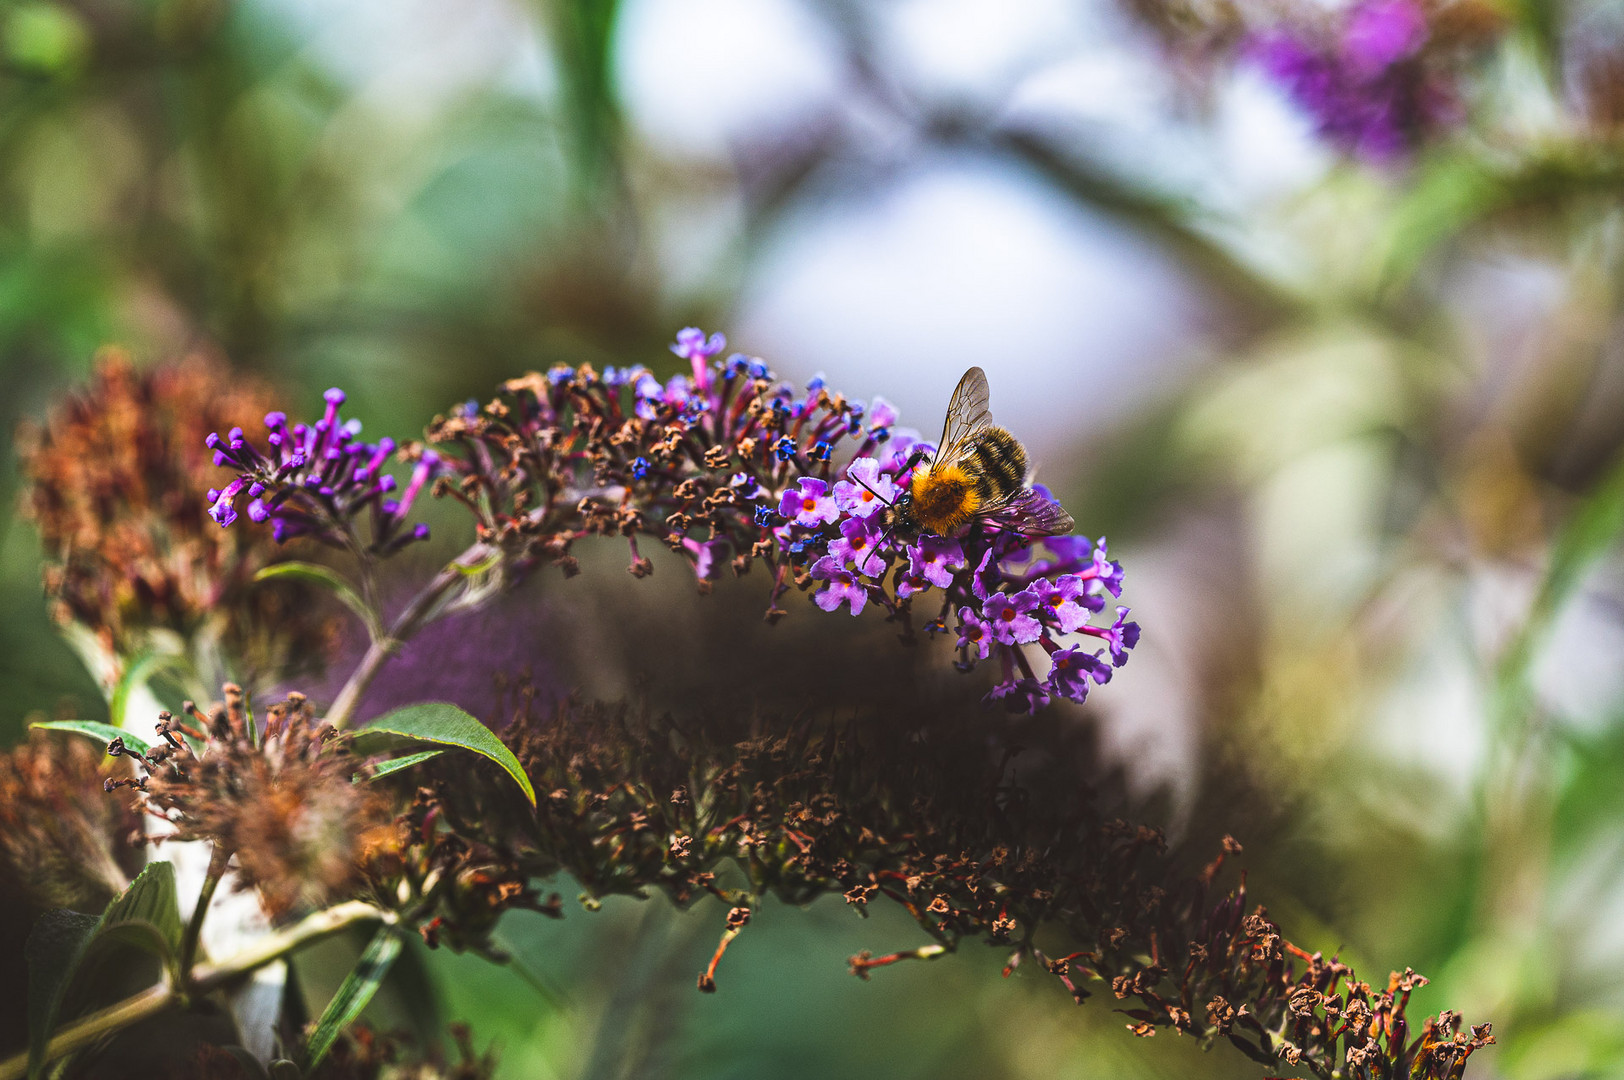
(1070,549)
(985,574)
(1066,601)
(707,557)
(1119,637)
(856,546)
(911,583)
(651,395)
(745,486)
(881,414)
(692,344)
(843,587)
(934,558)
(1104,571)
(224,509)
(905,446)
(867,492)
(427,466)
(974,634)
(1010,618)
(809,503)
(1070,671)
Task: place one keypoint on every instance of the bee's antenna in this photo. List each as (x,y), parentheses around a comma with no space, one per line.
(871,491)
(889,529)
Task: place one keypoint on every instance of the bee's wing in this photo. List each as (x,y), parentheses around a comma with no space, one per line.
(967,416)
(1031,514)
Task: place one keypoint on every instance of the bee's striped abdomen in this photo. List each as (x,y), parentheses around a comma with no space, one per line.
(998,463)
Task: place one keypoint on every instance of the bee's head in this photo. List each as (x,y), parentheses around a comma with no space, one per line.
(902,524)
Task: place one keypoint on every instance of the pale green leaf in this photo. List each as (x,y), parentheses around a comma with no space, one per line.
(444,723)
(384,768)
(95,729)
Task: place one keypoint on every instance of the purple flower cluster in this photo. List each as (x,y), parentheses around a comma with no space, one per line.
(316,479)
(1369,83)
(996,591)
(727,466)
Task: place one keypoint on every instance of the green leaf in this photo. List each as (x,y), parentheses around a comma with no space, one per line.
(95,729)
(136,676)
(384,768)
(442,722)
(358,987)
(333,582)
(55,946)
(145,916)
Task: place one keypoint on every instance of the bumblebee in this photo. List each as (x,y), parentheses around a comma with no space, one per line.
(978,473)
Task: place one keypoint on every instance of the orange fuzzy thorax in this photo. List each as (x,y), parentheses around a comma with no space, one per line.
(944,499)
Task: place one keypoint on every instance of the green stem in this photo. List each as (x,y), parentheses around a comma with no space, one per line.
(418,613)
(148,1002)
(194,928)
(208,977)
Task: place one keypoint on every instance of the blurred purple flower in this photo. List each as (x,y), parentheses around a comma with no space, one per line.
(693,346)
(1019,695)
(1369,87)
(1380,33)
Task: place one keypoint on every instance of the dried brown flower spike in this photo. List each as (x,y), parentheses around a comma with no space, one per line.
(119,478)
(60,836)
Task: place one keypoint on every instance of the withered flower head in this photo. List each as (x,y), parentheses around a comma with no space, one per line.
(281,802)
(1003,837)
(118,488)
(61,838)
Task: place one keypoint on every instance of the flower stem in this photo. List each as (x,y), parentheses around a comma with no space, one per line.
(218,861)
(418,613)
(273,947)
(209,977)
